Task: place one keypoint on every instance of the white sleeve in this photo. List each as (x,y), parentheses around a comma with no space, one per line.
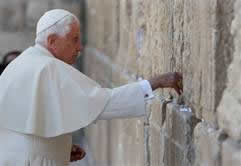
(126,102)
(147,90)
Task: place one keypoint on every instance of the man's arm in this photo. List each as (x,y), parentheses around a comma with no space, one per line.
(129,100)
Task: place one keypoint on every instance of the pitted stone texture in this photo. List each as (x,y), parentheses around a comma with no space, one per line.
(180,125)
(178,131)
(229,114)
(150,38)
(154,136)
(207,54)
(231,153)
(199,57)
(154,25)
(207,142)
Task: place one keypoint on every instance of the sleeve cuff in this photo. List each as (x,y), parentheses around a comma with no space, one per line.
(146,87)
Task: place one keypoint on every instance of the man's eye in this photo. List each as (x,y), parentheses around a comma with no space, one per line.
(76,39)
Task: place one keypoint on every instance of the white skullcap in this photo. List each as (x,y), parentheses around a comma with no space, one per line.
(50,18)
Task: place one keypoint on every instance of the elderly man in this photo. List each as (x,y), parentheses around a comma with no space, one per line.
(44,99)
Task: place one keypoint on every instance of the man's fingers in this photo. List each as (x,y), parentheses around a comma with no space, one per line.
(177,90)
(77,157)
(77,153)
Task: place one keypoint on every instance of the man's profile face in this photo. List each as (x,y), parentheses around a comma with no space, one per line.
(68,47)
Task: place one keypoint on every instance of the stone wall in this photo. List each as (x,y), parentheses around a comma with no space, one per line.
(129,39)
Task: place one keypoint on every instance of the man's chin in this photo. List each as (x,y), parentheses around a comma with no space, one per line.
(73,60)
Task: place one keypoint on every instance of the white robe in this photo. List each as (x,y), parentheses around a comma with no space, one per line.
(43,100)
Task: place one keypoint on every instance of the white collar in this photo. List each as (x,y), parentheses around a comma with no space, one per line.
(43,49)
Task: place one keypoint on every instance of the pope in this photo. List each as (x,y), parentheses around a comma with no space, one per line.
(44,99)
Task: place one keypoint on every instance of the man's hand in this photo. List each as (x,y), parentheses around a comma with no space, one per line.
(168,80)
(77,153)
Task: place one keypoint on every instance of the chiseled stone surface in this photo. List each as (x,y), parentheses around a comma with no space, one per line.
(229,114)
(141,39)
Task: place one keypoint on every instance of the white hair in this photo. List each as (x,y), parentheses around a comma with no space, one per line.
(61,28)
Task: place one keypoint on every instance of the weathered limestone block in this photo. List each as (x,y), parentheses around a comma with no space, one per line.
(207,53)
(207,142)
(229,113)
(231,153)
(126,142)
(199,56)
(154,34)
(180,124)
(145,39)
(154,137)
(179,128)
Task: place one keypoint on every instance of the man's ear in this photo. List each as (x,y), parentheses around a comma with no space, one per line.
(51,40)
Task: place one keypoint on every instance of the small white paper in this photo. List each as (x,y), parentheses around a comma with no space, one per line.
(186,109)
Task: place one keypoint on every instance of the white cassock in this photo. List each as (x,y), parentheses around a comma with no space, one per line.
(43,100)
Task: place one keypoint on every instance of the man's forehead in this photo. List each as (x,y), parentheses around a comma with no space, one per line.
(74,31)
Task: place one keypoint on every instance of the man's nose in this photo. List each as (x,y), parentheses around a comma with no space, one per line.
(80,47)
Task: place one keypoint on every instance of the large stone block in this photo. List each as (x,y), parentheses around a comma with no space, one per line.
(180,124)
(179,128)
(199,50)
(207,54)
(126,142)
(154,137)
(207,142)
(231,153)
(229,114)
(154,37)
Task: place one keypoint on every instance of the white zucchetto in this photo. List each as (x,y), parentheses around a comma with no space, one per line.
(50,18)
